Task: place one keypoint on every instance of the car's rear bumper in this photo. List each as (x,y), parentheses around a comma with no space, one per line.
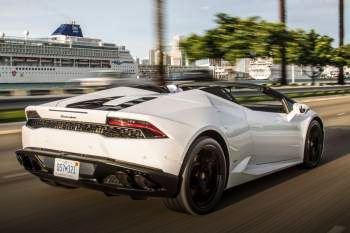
(104,174)
(165,154)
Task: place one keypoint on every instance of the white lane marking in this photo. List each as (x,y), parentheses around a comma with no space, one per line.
(337,229)
(13,131)
(341,114)
(15,175)
(324,99)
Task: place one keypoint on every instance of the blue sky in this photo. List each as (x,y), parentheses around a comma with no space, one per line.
(130,22)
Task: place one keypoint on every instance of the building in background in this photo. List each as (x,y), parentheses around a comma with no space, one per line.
(260,68)
(145,62)
(152,57)
(176,54)
(242,65)
(172,55)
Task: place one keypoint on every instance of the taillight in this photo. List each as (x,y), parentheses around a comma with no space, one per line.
(147,129)
(31,114)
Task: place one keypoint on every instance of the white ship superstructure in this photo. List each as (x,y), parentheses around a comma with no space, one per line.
(64,56)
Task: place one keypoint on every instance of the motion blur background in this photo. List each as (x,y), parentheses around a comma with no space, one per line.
(299,47)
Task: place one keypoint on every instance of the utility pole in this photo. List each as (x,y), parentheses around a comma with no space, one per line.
(282,16)
(341,39)
(159,18)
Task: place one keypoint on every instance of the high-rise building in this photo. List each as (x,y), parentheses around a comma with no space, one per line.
(152,57)
(172,55)
(177,56)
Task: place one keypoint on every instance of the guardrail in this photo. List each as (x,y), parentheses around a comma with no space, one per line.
(40,96)
(20,98)
(12,107)
(44,91)
(335,89)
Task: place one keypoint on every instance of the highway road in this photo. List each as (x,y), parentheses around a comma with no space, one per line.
(294,200)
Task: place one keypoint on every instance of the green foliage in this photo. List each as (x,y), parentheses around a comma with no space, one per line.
(341,56)
(312,50)
(309,48)
(194,47)
(234,38)
(12,115)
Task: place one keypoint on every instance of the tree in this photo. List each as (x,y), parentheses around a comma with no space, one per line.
(236,38)
(341,56)
(312,50)
(194,47)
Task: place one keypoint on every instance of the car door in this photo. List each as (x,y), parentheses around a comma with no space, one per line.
(233,122)
(275,137)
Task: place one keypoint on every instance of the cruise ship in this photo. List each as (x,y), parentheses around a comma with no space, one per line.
(62,57)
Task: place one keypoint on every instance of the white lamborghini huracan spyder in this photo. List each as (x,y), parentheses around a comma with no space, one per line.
(185,143)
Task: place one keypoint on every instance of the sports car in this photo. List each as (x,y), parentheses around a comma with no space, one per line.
(186,143)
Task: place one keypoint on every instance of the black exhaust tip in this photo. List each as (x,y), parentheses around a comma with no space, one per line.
(144,183)
(124,179)
(112,180)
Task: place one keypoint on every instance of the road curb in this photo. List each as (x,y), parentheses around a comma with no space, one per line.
(14,131)
(11,128)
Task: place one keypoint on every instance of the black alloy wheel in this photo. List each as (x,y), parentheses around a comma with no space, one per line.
(203,179)
(313,145)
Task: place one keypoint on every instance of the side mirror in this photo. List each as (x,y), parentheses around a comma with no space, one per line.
(173,88)
(300,108)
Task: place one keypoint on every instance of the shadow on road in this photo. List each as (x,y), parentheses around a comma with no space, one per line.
(335,148)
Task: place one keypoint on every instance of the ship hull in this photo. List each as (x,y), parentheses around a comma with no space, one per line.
(9,74)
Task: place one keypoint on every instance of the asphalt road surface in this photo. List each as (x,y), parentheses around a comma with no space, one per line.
(294,200)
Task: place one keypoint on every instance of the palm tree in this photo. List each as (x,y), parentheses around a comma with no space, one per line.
(341,39)
(282,16)
(159,11)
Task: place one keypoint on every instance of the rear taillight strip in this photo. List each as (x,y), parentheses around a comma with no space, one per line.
(147,128)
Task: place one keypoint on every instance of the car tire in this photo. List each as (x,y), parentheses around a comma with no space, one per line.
(313,149)
(203,178)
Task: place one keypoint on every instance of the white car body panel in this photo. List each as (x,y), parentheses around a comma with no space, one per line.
(275,138)
(258,143)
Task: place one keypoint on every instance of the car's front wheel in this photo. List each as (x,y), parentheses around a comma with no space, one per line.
(203,178)
(313,145)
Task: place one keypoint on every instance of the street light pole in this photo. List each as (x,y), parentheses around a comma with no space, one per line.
(282,16)
(341,39)
(159,11)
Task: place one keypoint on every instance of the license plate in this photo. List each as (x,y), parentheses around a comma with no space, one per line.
(67,168)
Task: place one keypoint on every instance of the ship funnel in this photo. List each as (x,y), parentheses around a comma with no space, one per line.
(71,29)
